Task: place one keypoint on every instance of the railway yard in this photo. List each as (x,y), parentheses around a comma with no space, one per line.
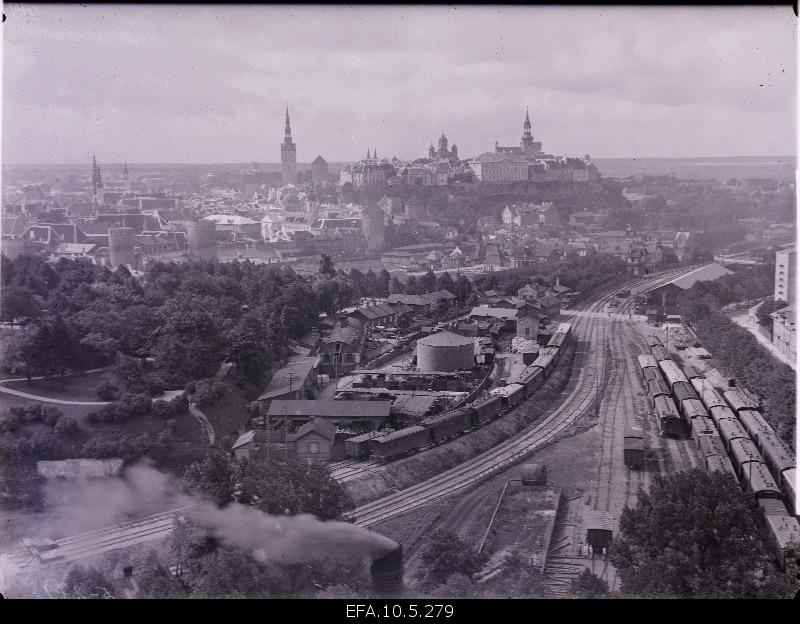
(591,409)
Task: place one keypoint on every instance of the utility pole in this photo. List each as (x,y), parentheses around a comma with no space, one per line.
(286,417)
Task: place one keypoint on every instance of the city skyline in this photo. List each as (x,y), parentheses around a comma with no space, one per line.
(212,85)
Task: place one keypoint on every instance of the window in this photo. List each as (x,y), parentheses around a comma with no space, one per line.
(313,447)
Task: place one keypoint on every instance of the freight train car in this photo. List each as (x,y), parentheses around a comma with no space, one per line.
(359,447)
(702,426)
(730,430)
(510,395)
(720,413)
(669,421)
(485,409)
(447,425)
(672,372)
(651,374)
(557,341)
(657,387)
(777,456)
(654,341)
(739,400)
(691,409)
(720,463)
(789,487)
(647,362)
(660,353)
(742,453)
(633,447)
(711,444)
(546,360)
(532,378)
(708,394)
(756,426)
(784,532)
(682,392)
(757,479)
(564,328)
(400,442)
(692,373)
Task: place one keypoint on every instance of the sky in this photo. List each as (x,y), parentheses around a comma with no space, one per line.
(209,84)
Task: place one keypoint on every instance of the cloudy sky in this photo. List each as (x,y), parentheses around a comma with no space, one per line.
(210,83)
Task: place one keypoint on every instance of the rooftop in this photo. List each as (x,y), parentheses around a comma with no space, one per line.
(328,408)
(444,339)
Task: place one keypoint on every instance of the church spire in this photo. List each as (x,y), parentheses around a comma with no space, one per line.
(288,130)
(368,156)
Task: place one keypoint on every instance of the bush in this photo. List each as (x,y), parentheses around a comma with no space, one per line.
(93,418)
(50,415)
(162,409)
(155,384)
(179,404)
(140,404)
(202,393)
(66,426)
(107,391)
(218,389)
(10,421)
(189,387)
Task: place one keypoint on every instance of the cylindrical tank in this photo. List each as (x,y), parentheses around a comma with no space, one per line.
(387,573)
(445,351)
(120,246)
(201,238)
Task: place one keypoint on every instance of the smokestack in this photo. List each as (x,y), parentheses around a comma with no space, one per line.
(387,573)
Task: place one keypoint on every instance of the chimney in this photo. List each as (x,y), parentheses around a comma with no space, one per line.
(387,573)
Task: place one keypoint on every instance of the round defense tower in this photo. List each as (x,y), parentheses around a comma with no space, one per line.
(373,227)
(201,238)
(444,352)
(120,246)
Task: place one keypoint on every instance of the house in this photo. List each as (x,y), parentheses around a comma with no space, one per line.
(381,314)
(528,293)
(507,317)
(296,380)
(343,347)
(249,445)
(528,313)
(550,306)
(313,441)
(784,332)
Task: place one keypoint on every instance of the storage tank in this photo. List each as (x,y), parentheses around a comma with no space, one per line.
(202,239)
(120,246)
(444,352)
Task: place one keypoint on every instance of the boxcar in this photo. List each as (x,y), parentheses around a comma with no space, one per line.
(682,391)
(672,372)
(647,361)
(599,532)
(755,424)
(693,408)
(757,479)
(777,456)
(633,432)
(515,394)
(546,360)
(660,353)
(400,442)
(738,400)
(564,328)
(720,413)
(783,529)
(650,374)
(743,452)
(654,341)
(702,426)
(633,452)
(669,421)
(720,463)
(658,387)
(711,445)
(692,373)
(708,395)
(557,341)
(360,446)
(789,487)
(485,409)
(532,378)
(448,424)
(730,430)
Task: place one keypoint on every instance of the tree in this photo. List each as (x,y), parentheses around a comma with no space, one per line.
(445,282)
(81,582)
(695,535)
(327,268)
(428,282)
(447,554)
(18,302)
(384,281)
(587,585)
(213,476)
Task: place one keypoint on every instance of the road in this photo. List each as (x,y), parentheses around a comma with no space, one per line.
(45,399)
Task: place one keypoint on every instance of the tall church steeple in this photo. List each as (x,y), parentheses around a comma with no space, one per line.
(526,142)
(288,155)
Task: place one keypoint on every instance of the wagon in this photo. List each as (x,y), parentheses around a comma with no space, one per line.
(359,447)
(783,529)
(711,445)
(557,341)
(448,424)
(532,378)
(720,463)
(708,395)
(647,361)
(633,452)
(789,486)
(672,372)
(739,400)
(683,391)
(702,426)
(756,426)
(599,529)
(692,373)
(742,452)
(730,430)
(669,422)
(777,455)
(650,374)
(486,409)
(660,353)
(720,413)
(757,479)
(545,361)
(400,442)
(693,408)
(533,474)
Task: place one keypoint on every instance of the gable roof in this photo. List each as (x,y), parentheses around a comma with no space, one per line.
(328,408)
(323,427)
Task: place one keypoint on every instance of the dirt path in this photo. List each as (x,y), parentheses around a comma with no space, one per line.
(44,399)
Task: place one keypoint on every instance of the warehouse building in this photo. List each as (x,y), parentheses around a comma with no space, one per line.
(373,414)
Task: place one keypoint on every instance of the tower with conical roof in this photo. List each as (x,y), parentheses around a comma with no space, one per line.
(526,142)
(288,155)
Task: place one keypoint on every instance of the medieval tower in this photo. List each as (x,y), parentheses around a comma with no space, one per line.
(288,155)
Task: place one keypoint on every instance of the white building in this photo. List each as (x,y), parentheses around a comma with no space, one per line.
(784,275)
(784,336)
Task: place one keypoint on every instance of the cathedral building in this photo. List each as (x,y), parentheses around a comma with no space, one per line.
(288,155)
(443,153)
(527,146)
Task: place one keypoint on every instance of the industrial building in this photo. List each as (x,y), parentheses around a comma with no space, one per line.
(342,413)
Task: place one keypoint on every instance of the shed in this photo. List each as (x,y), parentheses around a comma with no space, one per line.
(599,531)
(633,452)
(313,441)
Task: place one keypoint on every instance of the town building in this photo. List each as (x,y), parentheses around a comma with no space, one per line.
(785,274)
(784,332)
(313,441)
(319,171)
(341,413)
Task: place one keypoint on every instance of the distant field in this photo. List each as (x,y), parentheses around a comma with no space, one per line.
(774,167)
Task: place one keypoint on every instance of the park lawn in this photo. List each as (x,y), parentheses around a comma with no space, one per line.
(80,387)
(227,415)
